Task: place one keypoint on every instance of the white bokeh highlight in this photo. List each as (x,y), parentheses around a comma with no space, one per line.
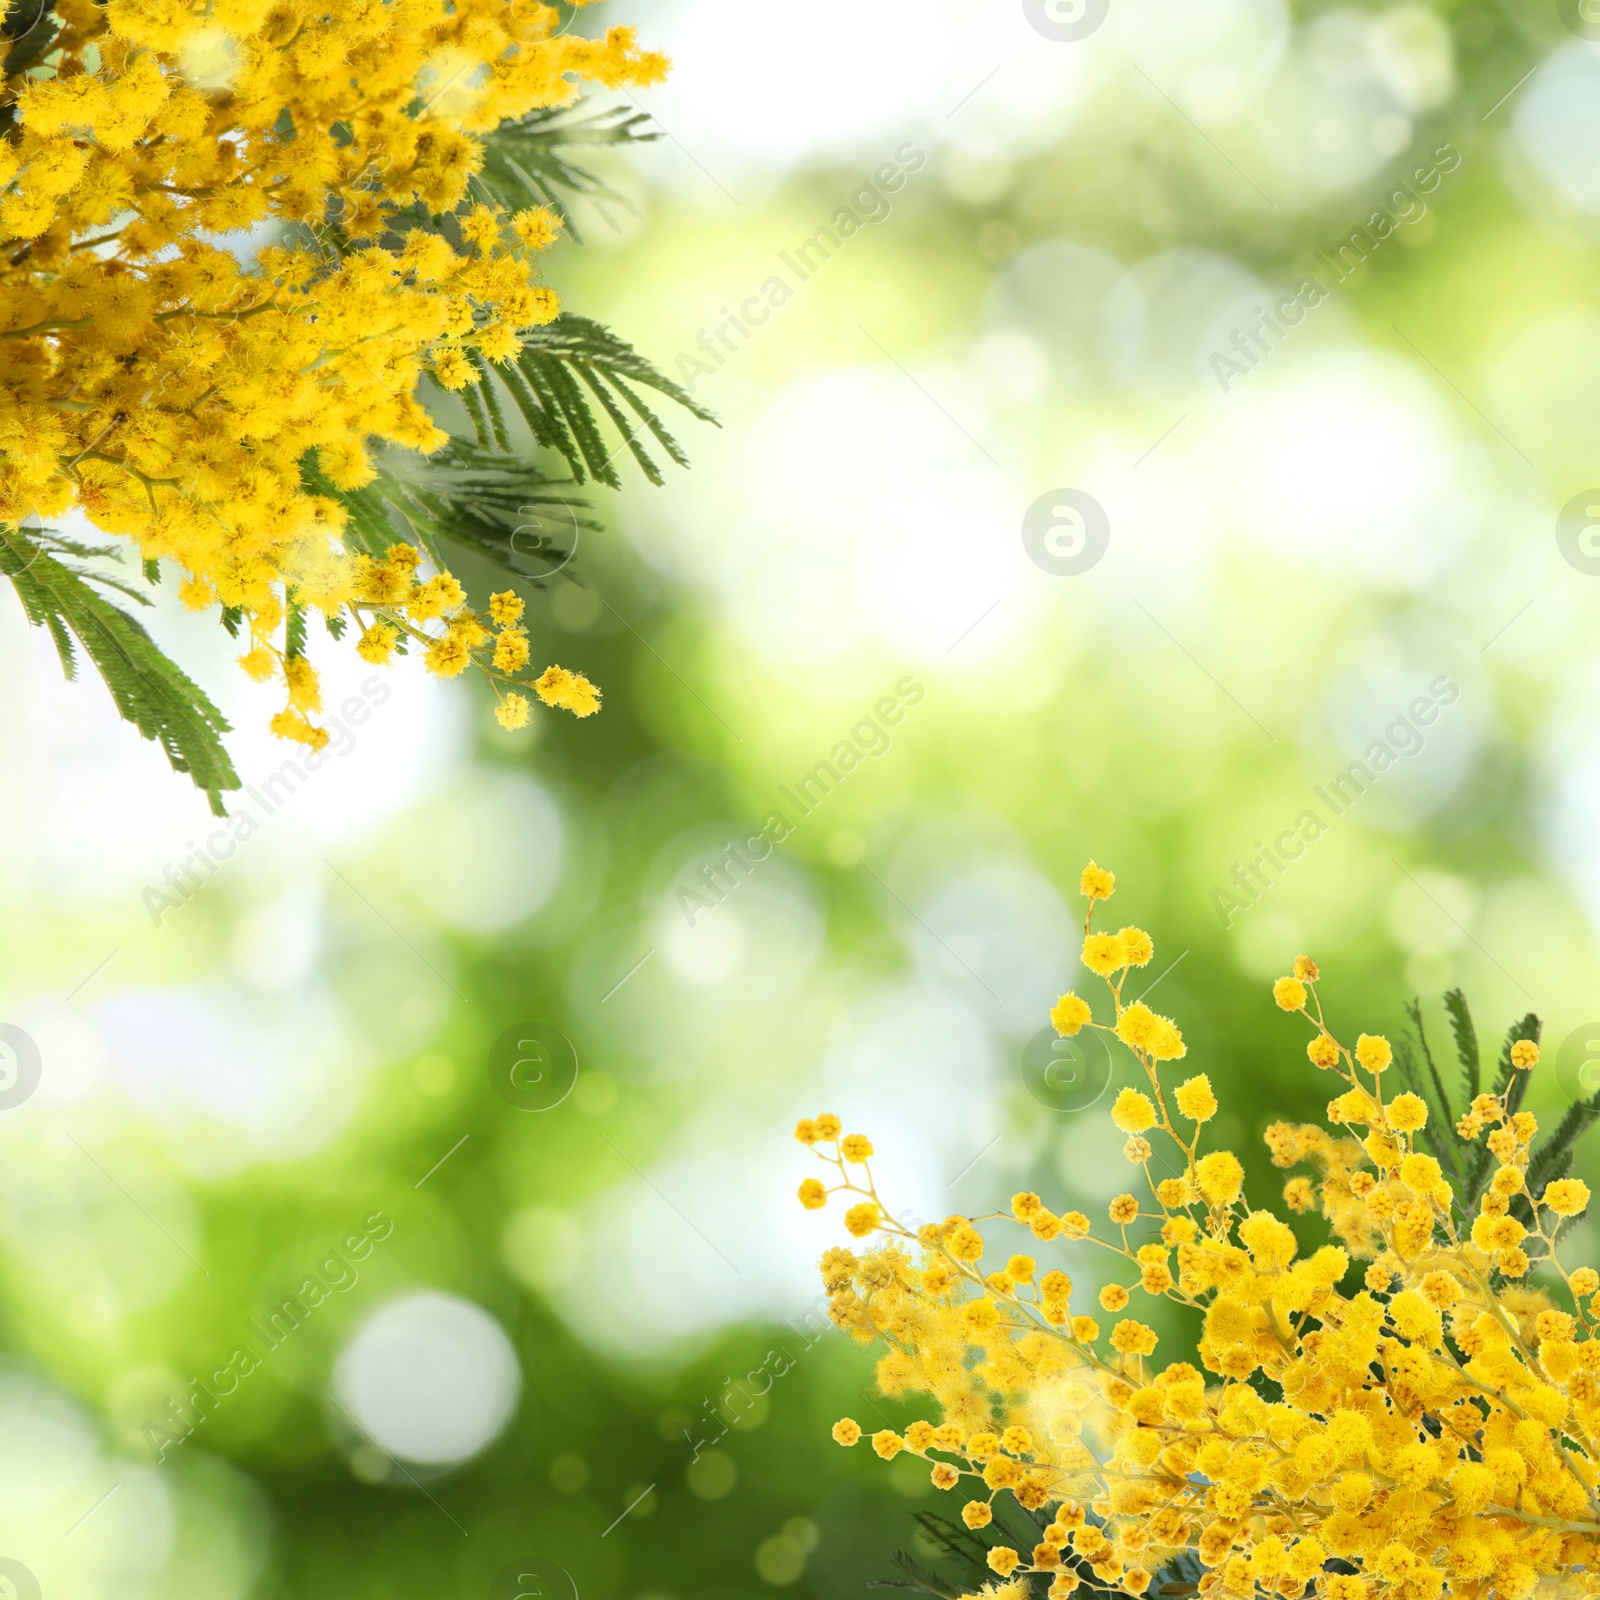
(430,1377)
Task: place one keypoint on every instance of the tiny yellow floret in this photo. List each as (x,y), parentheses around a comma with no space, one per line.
(1069,1014)
(1195,1099)
(1096,883)
(1133,1112)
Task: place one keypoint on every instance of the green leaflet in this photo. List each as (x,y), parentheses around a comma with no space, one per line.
(559,414)
(1455,1002)
(495,504)
(574,384)
(1551,1156)
(150,691)
(29,32)
(965,1550)
(524,162)
(1433,1092)
(579,389)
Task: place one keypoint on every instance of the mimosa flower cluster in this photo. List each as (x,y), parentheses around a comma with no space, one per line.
(1420,1423)
(171,389)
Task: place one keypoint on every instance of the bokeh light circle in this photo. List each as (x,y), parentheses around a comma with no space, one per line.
(430,1378)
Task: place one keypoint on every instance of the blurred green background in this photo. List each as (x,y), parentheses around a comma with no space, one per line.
(581,1342)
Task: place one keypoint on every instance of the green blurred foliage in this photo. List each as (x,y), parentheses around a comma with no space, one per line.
(1128,753)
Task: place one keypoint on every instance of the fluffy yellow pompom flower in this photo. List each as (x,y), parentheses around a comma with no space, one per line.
(1104,953)
(259,663)
(447,657)
(1220,1177)
(1141,1029)
(1290,993)
(505,608)
(1431,1428)
(201,402)
(582,697)
(856,1147)
(1566,1196)
(1408,1112)
(512,712)
(813,1196)
(847,1431)
(570,690)
(965,1243)
(1137,946)
(862,1219)
(1373,1052)
(1323,1052)
(1195,1099)
(377,643)
(1069,1014)
(1524,1055)
(1133,1112)
(1096,883)
(511,650)
(538,228)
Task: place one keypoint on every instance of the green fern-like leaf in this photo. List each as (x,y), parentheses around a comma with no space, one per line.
(955,1541)
(966,1550)
(150,691)
(1506,1074)
(1507,1078)
(525,163)
(1440,1133)
(555,359)
(503,508)
(896,1583)
(1455,1003)
(1546,1163)
(26,35)
(294,632)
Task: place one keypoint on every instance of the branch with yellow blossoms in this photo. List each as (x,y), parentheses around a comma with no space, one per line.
(1397,1413)
(392,609)
(226,409)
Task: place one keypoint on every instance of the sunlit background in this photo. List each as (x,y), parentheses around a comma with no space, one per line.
(934,267)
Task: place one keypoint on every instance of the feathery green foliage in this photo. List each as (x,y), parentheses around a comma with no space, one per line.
(578,388)
(1551,1157)
(964,1551)
(527,162)
(152,693)
(29,33)
(544,384)
(495,504)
